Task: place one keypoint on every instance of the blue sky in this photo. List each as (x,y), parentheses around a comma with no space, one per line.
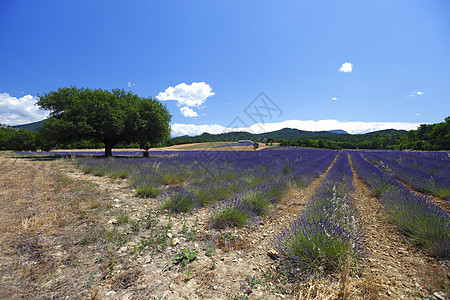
(209,60)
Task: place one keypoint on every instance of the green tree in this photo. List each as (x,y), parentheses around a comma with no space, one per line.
(24,140)
(18,140)
(154,124)
(321,144)
(104,116)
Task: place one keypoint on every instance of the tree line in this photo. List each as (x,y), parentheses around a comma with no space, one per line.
(432,137)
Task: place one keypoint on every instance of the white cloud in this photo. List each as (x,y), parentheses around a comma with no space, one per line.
(309,125)
(417,115)
(188,112)
(17,111)
(130,84)
(191,129)
(334,98)
(346,67)
(413,93)
(192,95)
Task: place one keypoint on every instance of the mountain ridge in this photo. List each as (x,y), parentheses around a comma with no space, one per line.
(285,133)
(34,126)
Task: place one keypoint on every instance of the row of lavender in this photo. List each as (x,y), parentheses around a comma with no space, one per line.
(326,236)
(427,172)
(416,215)
(239,185)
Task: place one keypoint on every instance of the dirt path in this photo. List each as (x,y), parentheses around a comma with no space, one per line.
(396,269)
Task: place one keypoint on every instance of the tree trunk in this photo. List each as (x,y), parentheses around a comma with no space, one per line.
(108,150)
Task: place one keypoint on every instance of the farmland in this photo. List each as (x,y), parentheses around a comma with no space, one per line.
(218,222)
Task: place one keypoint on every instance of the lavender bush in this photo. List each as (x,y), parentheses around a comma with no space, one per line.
(417,216)
(178,200)
(213,176)
(233,213)
(424,171)
(325,238)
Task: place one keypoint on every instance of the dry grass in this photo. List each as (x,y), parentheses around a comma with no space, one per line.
(309,290)
(229,242)
(368,288)
(45,216)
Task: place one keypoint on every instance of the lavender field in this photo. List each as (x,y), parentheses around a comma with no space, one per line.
(242,186)
(297,222)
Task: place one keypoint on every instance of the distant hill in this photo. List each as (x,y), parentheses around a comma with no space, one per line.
(386,131)
(282,134)
(31,126)
(285,133)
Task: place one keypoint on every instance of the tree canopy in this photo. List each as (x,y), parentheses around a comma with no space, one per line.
(15,139)
(104,116)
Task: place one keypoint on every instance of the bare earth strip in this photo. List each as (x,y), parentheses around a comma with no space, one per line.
(396,269)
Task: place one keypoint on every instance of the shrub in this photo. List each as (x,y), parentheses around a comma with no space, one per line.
(147,191)
(98,172)
(206,194)
(426,223)
(179,200)
(122,218)
(258,200)
(184,257)
(119,174)
(311,246)
(150,219)
(173,177)
(287,167)
(86,169)
(233,213)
